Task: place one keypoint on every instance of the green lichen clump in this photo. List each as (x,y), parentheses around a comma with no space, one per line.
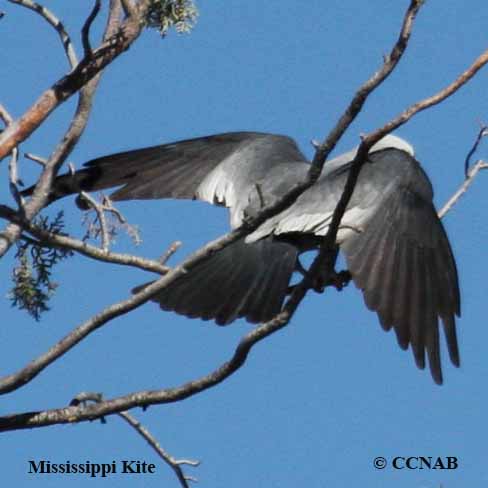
(165,14)
(32,282)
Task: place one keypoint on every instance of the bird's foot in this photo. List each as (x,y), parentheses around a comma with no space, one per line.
(337,280)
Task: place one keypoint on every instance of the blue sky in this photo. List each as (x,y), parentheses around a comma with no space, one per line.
(317,402)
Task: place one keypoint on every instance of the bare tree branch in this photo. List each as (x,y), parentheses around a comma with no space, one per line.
(174,464)
(470,173)
(57,24)
(35,158)
(11,233)
(100,225)
(115,43)
(389,64)
(169,252)
(65,242)
(84,398)
(25,375)
(439,97)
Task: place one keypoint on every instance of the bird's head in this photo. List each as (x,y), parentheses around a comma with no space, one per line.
(393,142)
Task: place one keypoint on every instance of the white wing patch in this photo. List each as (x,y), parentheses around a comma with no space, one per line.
(218,188)
(353,222)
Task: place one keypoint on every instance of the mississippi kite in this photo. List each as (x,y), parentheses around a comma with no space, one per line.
(395,245)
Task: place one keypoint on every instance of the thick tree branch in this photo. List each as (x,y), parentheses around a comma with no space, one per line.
(25,375)
(71,137)
(114,44)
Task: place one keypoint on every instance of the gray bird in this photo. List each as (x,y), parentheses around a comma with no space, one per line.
(396,249)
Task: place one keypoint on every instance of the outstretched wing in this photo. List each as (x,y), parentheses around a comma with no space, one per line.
(241,280)
(220,169)
(403,263)
(395,245)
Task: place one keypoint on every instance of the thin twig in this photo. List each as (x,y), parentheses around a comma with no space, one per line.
(57,24)
(14,158)
(5,116)
(169,252)
(109,207)
(472,172)
(66,242)
(389,64)
(100,225)
(100,211)
(37,159)
(85,30)
(482,133)
(174,464)
(14,177)
(439,97)
(83,399)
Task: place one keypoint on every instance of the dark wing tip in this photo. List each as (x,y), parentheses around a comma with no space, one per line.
(404,265)
(241,280)
(437,376)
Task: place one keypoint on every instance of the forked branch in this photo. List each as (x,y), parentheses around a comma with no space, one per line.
(175,464)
